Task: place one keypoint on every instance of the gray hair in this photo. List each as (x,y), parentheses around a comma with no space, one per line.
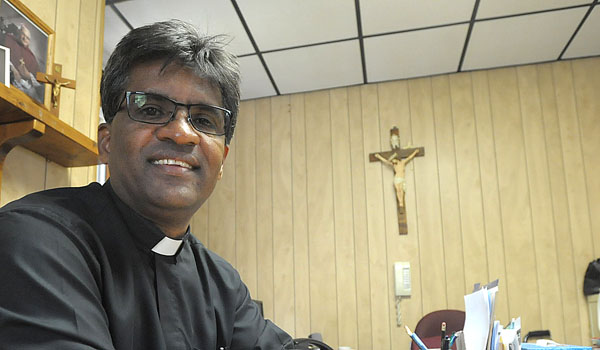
(176,42)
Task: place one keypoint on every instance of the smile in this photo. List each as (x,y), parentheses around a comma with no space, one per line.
(172,162)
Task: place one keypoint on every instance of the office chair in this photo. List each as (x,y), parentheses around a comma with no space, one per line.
(313,342)
(310,344)
(429,327)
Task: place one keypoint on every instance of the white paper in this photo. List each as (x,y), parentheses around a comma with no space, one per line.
(491,309)
(5,66)
(477,320)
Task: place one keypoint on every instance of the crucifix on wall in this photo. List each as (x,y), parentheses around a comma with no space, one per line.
(57,82)
(397,158)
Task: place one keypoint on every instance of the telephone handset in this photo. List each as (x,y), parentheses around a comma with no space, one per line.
(402,277)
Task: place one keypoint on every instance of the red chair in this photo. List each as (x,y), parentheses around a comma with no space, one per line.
(429,327)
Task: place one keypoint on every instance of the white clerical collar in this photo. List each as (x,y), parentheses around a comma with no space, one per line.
(167,246)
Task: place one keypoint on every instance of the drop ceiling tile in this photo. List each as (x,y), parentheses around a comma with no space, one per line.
(495,8)
(255,81)
(277,24)
(114,30)
(414,54)
(385,16)
(586,41)
(316,67)
(521,40)
(209,16)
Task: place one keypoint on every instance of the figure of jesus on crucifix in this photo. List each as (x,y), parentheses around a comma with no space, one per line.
(397,158)
(57,82)
(399,166)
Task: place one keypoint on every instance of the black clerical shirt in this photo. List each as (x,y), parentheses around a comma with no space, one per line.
(77,271)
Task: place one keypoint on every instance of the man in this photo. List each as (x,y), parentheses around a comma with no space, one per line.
(23,63)
(115,266)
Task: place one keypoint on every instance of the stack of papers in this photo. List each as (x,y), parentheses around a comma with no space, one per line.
(479,317)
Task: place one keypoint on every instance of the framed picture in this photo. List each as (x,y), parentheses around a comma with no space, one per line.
(30,43)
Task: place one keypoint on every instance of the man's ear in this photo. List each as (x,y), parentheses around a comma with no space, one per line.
(224,156)
(103,142)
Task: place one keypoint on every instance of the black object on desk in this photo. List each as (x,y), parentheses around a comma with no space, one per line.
(445,343)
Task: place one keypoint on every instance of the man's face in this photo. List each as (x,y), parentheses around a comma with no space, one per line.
(25,36)
(140,156)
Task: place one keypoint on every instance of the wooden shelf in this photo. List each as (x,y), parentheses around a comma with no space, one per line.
(60,142)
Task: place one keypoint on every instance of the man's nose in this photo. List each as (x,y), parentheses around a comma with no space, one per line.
(179,130)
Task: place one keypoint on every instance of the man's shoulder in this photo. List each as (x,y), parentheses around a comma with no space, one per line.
(216,264)
(52,223)
(66,202)
(207,254)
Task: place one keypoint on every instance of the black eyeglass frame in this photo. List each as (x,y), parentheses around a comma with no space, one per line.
(227,112)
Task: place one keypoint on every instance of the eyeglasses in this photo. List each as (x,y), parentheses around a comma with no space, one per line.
(157,109)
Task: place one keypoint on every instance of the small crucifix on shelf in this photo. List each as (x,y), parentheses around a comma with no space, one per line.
(57,81)
(397,158)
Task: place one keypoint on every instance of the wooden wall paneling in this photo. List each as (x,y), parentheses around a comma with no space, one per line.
(23,172)
(96,102)
(541,202)
(575,176)
(449,199)
(521,276)
(245,196)
(319,174)
(562,227)
(343,223)
(586,76)
(85,73)
(469,181)
(264,206)
(507,118)
(379,185)
(359,161)
(394,111)
(300,217)
(65,53)
(494,232)
(44,9)
(86,94)
(283,230)
(56,176)
(66,41)
(222,222)
(422,179)
(408,248)
(199,224)
(388,118)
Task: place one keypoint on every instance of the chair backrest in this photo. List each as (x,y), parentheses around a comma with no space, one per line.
(429,326)
(310,344)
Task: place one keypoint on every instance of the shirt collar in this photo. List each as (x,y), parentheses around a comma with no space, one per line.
(145,233)
(167,246)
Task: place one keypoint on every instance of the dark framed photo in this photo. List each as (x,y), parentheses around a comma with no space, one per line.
(29,41)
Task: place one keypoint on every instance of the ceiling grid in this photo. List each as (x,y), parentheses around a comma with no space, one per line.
(288,46)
